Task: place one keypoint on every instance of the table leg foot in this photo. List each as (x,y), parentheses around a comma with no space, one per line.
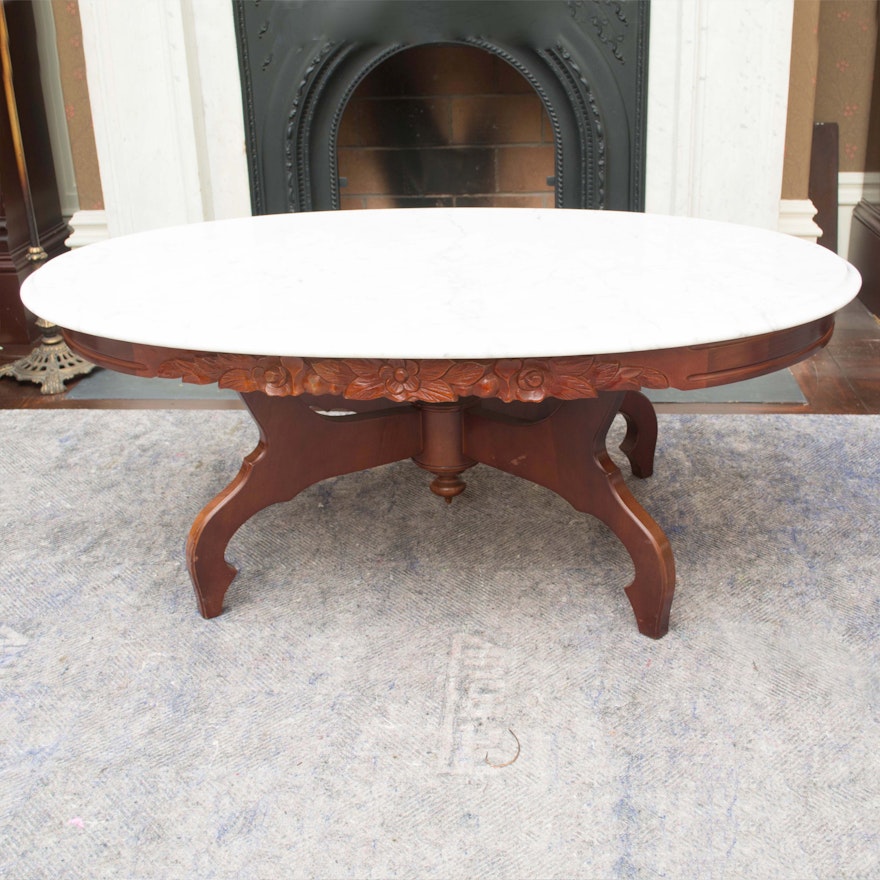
(566,453)
(298,447)
(640,441)
(214,527)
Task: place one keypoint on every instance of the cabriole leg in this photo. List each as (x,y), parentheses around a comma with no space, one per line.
(566,452)
(297,447)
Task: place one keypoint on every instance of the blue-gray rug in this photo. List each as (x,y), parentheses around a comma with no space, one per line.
(405,688)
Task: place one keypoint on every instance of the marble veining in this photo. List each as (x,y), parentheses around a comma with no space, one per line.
(442,283)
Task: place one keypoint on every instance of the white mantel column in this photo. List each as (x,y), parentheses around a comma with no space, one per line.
(164,87)
(717,100)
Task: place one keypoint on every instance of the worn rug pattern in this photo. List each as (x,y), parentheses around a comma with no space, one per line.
(405,688)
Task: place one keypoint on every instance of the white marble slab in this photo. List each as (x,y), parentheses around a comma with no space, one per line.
(442,283)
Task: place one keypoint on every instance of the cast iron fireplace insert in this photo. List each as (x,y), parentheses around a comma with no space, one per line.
(301,61)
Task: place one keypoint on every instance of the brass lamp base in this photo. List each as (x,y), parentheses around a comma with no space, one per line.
(50,364)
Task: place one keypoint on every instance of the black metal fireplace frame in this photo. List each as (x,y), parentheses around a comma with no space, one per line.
(301,62)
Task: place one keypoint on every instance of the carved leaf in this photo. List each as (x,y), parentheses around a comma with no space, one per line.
(365,367)
(465,374)
(369,388)
(334,372)
(436,392)
(574,387)
(651,378)
(239,380)
(433,369)
(605,374)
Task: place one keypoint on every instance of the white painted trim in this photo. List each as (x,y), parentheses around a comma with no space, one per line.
(87,227)
(169,128)
(143,113)
(53,100)
(796,218)
(852,187)
(717,102)
(215,84)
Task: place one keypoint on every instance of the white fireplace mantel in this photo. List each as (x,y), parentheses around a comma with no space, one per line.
(165,91)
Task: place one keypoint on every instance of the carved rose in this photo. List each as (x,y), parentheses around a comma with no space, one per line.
(528,381)
(531,381)
(271,376)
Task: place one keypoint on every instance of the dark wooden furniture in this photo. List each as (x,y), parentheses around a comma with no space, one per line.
(824,165)
(561,445)
(16,324)
(864,251)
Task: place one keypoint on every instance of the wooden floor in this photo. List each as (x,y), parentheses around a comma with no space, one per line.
(842,378)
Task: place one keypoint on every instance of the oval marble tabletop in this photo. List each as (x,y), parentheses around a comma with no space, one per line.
(441,283)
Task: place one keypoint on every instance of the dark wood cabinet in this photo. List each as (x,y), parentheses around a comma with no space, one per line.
(16,324)
(864,251)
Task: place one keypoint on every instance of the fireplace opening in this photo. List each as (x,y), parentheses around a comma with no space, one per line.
(445,126)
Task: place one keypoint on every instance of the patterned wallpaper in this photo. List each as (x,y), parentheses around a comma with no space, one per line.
(801,99)
(845,78)
(75,89)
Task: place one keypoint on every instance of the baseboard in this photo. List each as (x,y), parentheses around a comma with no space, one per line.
(796,218)
(852,187)
(87,227)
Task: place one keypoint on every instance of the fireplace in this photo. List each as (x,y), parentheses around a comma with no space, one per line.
(573,75)
(445,126)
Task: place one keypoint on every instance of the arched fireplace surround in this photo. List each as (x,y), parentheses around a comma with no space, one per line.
(302,61)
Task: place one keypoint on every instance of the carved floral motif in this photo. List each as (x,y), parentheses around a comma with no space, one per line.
(430,381)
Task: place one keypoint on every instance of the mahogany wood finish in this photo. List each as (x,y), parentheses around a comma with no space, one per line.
(543,419)
(640,440)
(563,449)
(298,447)
(442,451)
(822,186)
(566,452)
(528,380)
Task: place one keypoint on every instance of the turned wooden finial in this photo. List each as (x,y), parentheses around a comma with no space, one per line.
(441,452)
(447,486)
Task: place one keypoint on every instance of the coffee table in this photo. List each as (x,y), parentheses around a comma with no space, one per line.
(506,337)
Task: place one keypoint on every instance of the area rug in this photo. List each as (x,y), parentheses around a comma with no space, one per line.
(405,688)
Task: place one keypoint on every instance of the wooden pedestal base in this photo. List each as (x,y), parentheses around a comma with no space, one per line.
(558,444)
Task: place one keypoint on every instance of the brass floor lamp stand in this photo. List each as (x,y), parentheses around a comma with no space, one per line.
(50,364)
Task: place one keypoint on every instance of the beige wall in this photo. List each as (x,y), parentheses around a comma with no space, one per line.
(844,84)
(801,99)
(834,64)
(76,104)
